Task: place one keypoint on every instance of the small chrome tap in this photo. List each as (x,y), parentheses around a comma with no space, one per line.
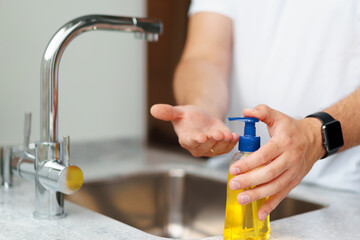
(49,165)
(54,175)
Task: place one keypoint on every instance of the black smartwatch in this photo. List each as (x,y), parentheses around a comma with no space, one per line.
(331,133)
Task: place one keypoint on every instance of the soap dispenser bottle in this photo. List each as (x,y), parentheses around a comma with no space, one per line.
(241,221)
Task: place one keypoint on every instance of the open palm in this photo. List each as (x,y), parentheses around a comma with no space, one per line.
(198,131)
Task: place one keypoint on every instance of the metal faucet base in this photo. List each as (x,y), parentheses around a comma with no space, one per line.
(48,217)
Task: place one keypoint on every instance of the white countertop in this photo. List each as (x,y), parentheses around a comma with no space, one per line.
(339,220)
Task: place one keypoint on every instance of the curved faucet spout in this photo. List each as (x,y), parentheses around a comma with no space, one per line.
(149,28)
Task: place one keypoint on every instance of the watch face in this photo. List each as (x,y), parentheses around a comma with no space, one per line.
(333,134)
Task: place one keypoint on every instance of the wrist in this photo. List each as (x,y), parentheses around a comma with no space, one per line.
(331,132)
(315,137)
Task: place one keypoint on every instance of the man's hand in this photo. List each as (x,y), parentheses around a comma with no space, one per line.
(198,132)
(281,164)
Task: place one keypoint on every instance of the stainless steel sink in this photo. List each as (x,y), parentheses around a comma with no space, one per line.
(172,204)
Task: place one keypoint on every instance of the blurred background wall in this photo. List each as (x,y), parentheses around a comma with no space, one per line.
(162,61)
(102,77)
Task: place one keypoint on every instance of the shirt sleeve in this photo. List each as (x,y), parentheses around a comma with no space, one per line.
(223,7)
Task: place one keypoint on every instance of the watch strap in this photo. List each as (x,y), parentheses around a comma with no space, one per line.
(324,118)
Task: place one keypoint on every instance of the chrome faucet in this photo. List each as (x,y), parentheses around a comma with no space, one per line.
(143,27)
(47,163)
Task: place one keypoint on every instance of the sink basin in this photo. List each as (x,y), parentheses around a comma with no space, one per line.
(170,203)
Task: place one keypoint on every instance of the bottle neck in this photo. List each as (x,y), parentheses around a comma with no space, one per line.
(245,153)
(239,155)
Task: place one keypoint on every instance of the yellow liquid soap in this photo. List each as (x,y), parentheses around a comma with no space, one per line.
(241,221)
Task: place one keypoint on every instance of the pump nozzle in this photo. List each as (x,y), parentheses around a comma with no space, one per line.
(249,142)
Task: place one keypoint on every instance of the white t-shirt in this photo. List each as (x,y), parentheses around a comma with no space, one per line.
(298,57)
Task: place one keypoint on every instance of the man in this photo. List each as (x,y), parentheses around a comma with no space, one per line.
(298,57)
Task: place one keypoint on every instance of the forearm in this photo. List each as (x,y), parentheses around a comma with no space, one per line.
(347,111)
(202,83)
(202,76)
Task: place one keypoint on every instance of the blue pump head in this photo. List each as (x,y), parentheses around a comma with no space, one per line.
(249,142)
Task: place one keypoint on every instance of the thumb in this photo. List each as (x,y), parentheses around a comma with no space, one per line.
(264,113)
(165,112)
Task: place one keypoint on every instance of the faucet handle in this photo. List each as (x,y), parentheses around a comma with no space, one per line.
(27,130)
(66,150)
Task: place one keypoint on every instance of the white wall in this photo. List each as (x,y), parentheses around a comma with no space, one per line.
(101,79)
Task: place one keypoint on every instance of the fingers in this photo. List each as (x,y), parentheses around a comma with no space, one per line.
(192,140)
(277,189)
(273,201)
(263,155)
(165,112)
(262,175)
(203,149)
(264,113)
(227,144)
(213,144)
(268,189)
